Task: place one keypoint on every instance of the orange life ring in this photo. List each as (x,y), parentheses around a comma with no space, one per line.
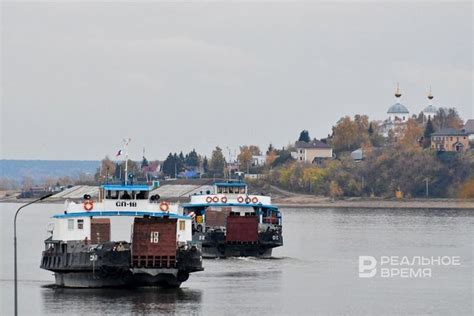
(88,205)
(247,200)
(254,200)
(240,199)
(215,199)
(209,199)
(224,199)
(164,206)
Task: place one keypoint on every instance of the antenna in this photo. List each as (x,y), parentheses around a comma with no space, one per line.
(125,146)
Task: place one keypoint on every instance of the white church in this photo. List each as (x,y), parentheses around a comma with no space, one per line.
(398,114)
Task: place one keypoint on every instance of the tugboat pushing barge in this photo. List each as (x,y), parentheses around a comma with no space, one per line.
(230,222)
(161,251)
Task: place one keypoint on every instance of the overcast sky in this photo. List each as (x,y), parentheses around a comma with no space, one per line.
(77,78)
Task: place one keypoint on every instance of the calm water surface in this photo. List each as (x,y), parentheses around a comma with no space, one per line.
(315,272)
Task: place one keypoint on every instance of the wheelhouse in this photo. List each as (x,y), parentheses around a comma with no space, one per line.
(230,187)
(125,192)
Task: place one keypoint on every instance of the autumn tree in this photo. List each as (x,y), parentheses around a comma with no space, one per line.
(466,190)
(447,118)
(246,154)
(271,155)
(105,171)
(412,135)
(350,134)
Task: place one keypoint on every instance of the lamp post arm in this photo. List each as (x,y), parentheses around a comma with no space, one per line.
(14,248)
(29,203)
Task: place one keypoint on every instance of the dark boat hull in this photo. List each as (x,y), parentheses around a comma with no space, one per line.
(94,280)
(213,252)
(80,265)
(215,245)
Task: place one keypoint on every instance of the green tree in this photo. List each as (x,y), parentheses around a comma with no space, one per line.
(371,129)
(205,165)
(192,159)
(304,136)
(429,129)
(144,162)
(172,165)
(217,163)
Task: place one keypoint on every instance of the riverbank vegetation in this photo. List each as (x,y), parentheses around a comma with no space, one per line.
(400,163)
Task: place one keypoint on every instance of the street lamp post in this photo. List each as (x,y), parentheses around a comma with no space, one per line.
(14,248)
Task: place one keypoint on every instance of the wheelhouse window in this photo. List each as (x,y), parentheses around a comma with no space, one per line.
(142,195)
(80,224)
(112,195)
(127,195)
(182,225)
(70,224)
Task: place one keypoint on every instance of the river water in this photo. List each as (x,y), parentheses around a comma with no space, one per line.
(315,272)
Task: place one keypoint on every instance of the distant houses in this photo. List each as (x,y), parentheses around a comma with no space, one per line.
(450,139)
(313,152)
(469,130)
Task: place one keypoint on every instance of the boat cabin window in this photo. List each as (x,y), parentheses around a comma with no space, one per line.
(70,224)
(112,195)
(127,195)
(142,195)
(230,189)
(80,224)
(182,225)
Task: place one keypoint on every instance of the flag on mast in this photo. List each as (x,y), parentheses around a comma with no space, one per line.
(119,153)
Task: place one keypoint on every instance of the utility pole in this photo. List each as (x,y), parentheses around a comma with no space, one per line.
(427,187)
(15,293)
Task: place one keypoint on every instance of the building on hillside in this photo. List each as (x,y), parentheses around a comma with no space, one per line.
(314,151)
(469,129)
(259,160)
(357,155)
(398,115)
(450,139)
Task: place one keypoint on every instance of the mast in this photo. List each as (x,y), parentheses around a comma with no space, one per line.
(125,148)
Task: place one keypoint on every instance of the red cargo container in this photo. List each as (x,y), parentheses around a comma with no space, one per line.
(154,242)
(242,229)
(217,218)
(100,230)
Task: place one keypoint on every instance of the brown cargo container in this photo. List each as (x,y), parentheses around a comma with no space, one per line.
(100,230)
(154,242)
(242,229)
(217,217)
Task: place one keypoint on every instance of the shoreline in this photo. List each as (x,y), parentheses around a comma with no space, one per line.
(326,203)
(321,202)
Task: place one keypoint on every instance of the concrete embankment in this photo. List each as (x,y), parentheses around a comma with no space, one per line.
(177,191)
